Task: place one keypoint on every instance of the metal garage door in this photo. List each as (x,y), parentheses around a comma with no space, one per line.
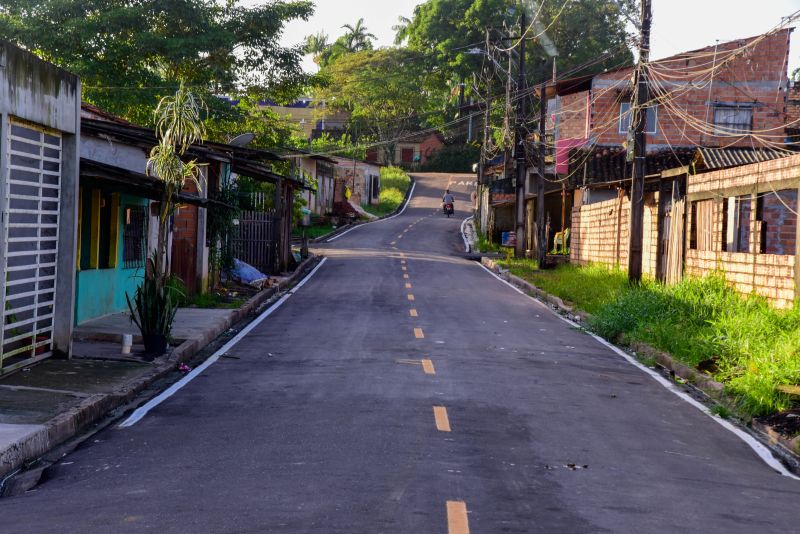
(30,204)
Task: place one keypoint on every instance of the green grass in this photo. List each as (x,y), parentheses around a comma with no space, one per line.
(484,245)
(750,346)
(212,300)
(313,232)
(394,184)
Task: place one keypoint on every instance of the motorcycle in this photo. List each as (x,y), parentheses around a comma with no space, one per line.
(448,209)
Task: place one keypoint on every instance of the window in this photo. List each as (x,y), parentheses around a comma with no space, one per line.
(134,237)
(730,119)
(776,212)
(625,115)
(700,233)
(736,224)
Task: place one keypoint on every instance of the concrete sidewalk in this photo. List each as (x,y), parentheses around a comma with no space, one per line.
(45,405)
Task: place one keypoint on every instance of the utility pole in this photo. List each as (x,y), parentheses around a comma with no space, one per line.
(639,150)
(541,234)
(519,148)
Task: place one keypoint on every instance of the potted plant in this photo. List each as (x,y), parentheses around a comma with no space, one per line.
(153,310)
(155,301)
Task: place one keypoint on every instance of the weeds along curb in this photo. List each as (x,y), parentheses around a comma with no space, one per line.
(347,227)
(704,383)
(68,424)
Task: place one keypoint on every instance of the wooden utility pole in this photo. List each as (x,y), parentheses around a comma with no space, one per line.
(519,148)
(541,233)
(639,150)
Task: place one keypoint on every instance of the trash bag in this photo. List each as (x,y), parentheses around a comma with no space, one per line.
(246,274)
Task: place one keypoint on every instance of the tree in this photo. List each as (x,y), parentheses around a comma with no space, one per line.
(316,45)
(357,37)
(130,53)
(383,90)
(401,30)
(584,29)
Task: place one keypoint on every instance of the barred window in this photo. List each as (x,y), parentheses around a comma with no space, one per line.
(733,119)
(134,237)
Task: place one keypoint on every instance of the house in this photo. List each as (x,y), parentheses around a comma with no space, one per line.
(39,153)
(361,179)
(731,97)
(318,170)
(410,152)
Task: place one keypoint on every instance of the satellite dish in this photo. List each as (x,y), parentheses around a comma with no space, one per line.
(243,139)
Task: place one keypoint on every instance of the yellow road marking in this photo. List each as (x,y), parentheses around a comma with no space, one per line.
(408,286)
(457,517)
(410,296)
(427,366)
(402,254)
(412,312)
(442,421)
(405,275)
(418,333)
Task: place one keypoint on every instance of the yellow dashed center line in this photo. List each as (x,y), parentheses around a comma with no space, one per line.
(405,275)
(427,366)
(408,286)
(413,312)
(418,333)
(410,296)
(457,517)
(442,421)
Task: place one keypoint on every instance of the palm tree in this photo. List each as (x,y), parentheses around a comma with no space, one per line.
(357,37)
(401,29)
(316,45)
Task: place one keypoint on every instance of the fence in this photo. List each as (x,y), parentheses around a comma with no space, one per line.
(255,241)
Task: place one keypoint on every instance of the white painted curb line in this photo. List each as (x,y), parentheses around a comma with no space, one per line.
(763,452)
(463,233)
(143,410)
(405,205)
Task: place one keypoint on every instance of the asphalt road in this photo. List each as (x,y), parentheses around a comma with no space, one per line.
(329,422)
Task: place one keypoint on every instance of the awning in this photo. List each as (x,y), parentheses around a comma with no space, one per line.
(113,178)
(721,158)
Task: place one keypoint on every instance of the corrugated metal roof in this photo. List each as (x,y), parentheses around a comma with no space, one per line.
(721,158)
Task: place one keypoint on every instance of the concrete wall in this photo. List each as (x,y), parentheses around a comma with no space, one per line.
(41,93)
(771,273)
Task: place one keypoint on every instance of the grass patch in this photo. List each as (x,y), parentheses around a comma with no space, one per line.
(484,245)
(747,344)
(312,232)
(588,288)
(212,300)
(394,184)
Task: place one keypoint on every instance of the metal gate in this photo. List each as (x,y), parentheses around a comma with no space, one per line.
(255,240)
(30,206)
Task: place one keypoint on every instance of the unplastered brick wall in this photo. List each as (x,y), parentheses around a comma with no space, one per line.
(773,184)
(600,233)
(751,72)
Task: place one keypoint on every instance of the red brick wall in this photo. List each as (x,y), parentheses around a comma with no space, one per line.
(572,116)
(759,75)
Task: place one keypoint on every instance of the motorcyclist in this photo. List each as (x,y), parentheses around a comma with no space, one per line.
(448,198)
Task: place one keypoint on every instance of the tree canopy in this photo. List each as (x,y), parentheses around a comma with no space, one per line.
(581,30)
(130,52)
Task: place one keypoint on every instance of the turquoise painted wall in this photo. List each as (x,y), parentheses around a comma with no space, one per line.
(101,292)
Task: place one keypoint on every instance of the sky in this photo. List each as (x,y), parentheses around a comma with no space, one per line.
(678,25)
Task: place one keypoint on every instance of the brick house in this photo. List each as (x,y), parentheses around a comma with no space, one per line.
(731,97)
(411,152)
